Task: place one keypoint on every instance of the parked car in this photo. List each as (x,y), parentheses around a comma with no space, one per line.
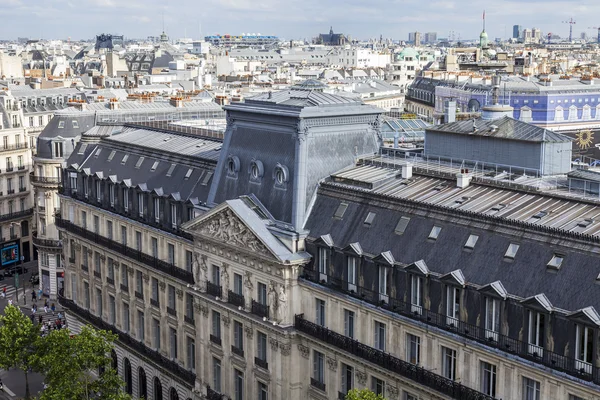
(10,271)
(35,278)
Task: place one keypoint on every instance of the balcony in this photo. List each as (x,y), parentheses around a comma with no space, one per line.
(10,169)
(155,303)
(20,168)
(189,319)
(44,180)
(98,274)
(317,384)
(261,363)
(237,351)
(13,147)
(16,215)
(110,281)
(133,254)
(214,290)
(49,243)
(387,361)
(216,340)
(170,367)
(212,395)
(84,267)
(22,189)
(262,310)
(235,299)
(124,288)
(13,236)
(10,191)
(473,332)
(139,295)
(171,311)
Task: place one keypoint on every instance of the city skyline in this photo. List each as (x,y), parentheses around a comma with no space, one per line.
(137,19)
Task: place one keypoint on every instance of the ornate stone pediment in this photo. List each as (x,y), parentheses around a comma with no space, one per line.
(226,227)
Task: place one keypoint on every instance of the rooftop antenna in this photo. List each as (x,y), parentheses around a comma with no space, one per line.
(571,22)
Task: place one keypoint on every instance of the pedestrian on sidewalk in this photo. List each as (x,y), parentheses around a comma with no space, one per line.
(46,308)
(40,320)
(60,316)
(10,302)
(53,307)
(4,292)
(33,297)
(46,303)
(40,292)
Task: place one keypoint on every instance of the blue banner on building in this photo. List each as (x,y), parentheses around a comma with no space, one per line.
(9,253)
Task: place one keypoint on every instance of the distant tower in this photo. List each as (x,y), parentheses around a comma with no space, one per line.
(483,38)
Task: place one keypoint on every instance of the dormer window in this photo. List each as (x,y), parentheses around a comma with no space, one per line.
(352,268)
(452,305)
(416,299)
(98,190)
(537,325)
(324,260)
(126,199)
(584,348)
(141,204)
(58,149)
(111,195)
(157,209)
(174,215)
(492,318)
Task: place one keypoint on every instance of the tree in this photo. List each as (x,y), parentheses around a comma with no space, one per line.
(363,394)
(68,361)
(19,340)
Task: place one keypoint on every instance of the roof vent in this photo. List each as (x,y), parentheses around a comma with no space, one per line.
(494,128)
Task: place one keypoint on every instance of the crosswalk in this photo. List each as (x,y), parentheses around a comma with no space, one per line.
(11,294)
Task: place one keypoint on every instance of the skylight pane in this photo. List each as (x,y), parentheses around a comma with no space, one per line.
(401,226)
(139,162)
(111,155)
(540,214)
(556,261)
(82,148)
(435,232)
(124,160)
(471,241)
(369,219)
(154,166)
(339,213)
(171,169)
(207,177)
(189,173)
(511,252)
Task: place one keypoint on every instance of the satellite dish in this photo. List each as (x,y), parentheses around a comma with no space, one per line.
(474,105)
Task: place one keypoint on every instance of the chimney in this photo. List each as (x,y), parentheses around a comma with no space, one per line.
(463,178)
(450,111)
(407,171)
(113,104)
(177,101)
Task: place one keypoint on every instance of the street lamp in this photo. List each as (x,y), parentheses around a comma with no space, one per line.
(16,275)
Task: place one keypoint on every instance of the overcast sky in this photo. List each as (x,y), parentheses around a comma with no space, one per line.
(290,19)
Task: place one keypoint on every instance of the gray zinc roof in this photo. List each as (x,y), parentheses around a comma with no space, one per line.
(503,128)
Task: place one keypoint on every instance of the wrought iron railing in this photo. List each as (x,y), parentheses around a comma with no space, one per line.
(262,310)
(235,299)
(318,384)
(172,368)
(213,395)
(46,242)
(213,289)
(215,339)
(15,215)
(387,361)
(11,147)
(237,351)
(50,180)
(261,363)
(505,343)
(133,254)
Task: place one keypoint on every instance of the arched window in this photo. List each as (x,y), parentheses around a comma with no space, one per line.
(158,394)
(587,113)
(559,114)
(142,386)
(573,113)
(525,114)
(597,116)
(173,394)
(127,376)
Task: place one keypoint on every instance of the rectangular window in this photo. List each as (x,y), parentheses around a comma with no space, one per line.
(216,324)
(435,232)
(173,343)
(379,336)
(99,302)
(238,378)
(531,389)
(352,262)
(261,346)
(449,363)
(191,353)
(155,290)
(138,240)
(141,204)
(84,220)
(111,269)
(471,241)
(452,305)
(125,317)
(347,378)
(238,285)
(141,326)
(171,253)
(415,294)
(216,375)
(96,224)
(111,194)
(97,266)
(156,333)
(383,291)
(584,345)
(537,324)
(154,242)
(320,312)
(189,306)
(139,283)
(189,260)
(492,318)
(174,216)
(238,335)
(112,312)
(488,379)
(413,349)
(126,199)
(157,209)
(123,235)
(349,324)
(319,367)
(261,289)
(378,386)
(109,230)
(324,260)
(511,252)
(124,276)
(98,191)
(216,275)
(263,391)
(171,299)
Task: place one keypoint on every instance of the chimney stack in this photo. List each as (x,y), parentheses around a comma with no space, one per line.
(450,111)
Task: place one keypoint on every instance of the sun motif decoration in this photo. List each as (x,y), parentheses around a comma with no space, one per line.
(584,139)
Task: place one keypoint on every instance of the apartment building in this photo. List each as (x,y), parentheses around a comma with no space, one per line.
(273,264)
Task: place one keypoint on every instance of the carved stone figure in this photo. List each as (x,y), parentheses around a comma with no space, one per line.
(225,283)
(272,299)
(200,278)
(196,270)
(248,291)
(282,304)
(230,229)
